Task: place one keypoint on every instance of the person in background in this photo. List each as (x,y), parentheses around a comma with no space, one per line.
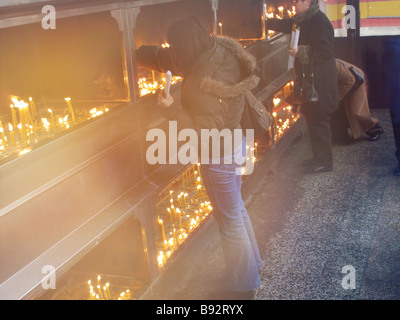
(316,44)
(354,109)
(216,72)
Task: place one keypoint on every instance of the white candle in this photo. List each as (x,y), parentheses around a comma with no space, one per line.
(33,107)
(12,137)
(161,224)
(71,111)
(14,115)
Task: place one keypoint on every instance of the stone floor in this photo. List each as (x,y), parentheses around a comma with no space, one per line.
(311,226)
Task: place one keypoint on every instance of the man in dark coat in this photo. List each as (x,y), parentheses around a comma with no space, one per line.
(316,49)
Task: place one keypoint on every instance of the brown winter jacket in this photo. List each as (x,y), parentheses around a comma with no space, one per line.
(213,88)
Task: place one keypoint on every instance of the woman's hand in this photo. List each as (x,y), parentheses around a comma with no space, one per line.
(164,102)
(294,52)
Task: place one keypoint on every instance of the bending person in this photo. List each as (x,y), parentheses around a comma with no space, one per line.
(354,100)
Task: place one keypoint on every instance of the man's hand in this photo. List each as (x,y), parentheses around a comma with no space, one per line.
(164,102)
(293,52)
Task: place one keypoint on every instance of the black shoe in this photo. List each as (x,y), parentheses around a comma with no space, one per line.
(396,170)
(317,168)
(375,133)
(374,136)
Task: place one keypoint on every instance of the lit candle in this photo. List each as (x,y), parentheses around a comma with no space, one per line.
(105,293)
(127,294)
(21,125)
(71,111)
(160,258)
(173,210)
(3,137)
(100,292)
(12,137)
(175,237)
(179,199)
(170,214)
(52,120)
(14,116)
(198,189)
(33,107)
(28,115)
(180,221)
(220,28)
(21,133)
(161,224)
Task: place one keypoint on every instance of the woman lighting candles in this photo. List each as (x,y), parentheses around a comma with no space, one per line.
(216,72)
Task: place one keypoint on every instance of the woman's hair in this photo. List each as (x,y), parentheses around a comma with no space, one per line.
(189,37)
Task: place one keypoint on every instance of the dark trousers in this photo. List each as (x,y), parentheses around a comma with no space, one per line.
(339,125)
(319,128)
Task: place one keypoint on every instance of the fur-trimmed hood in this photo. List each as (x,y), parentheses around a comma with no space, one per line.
(248,65)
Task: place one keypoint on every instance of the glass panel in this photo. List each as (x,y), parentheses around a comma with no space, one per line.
(284,115)
(55,79)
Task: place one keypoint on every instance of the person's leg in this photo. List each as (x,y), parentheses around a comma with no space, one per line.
(248,225)
(220,181)
(320,138)
(339,126)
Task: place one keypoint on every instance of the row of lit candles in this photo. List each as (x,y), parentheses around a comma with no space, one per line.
(147,86)
(26,130)
(283,118)
(179,213)
(103,292)
(280,15)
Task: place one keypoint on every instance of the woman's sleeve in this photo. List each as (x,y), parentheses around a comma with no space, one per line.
(156,58)
(280,25)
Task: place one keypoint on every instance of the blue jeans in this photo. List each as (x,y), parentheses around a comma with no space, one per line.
(239,245)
